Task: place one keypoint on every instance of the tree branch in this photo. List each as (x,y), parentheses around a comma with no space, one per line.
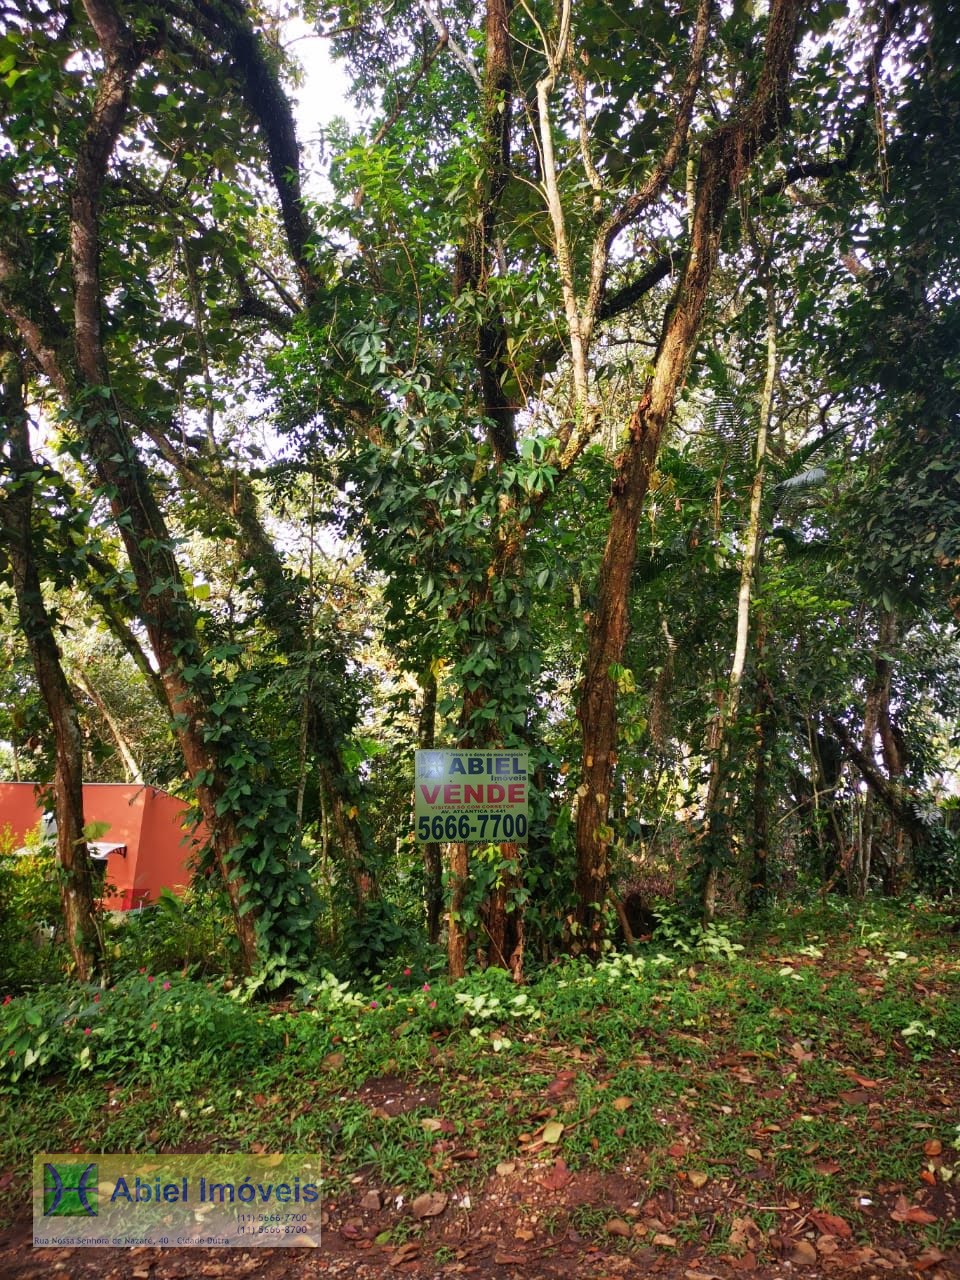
(444,35)
(229,26)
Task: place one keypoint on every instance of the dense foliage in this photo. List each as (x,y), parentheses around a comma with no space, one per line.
(603,402)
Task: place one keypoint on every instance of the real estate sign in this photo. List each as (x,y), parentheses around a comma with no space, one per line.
(478,797)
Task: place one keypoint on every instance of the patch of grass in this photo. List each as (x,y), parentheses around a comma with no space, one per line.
(724,1063)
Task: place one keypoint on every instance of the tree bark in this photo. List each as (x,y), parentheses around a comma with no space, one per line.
(166,613)
(764,736)
(715,817)
(76,881)
(724,161)
(432,860)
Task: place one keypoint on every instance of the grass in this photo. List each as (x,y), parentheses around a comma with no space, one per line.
(786,1069)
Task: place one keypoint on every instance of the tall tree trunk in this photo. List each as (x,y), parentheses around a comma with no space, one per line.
(764,734)
(76,884)
(472,271)
(724,161)
(716,817)
(166,612)
(878,724)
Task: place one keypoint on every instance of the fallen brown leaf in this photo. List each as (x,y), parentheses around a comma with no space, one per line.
(855,1097)
(560,1083)
(904,1211)
(862,1081)
(929,1258)
(617,1227)
(429,1205)
(804,1254)
(556,1177)
(405,1253)
(829,1224)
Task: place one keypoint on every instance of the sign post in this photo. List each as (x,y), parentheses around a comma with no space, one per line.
(477,797)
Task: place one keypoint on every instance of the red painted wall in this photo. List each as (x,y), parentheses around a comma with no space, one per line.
(149,822)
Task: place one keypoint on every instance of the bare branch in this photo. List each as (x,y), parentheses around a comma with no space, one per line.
(651,190)
(443,34)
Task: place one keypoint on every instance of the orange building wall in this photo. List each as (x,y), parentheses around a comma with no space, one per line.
(166,849)
(149,822)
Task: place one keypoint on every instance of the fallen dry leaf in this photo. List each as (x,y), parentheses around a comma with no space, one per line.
(556,1177)
(744,1231)
(664,1241)
(429,1204)
(804,1254)
(829,1224)
(929,1258)
(854,1097)
(622,1104)
(560,1083)
(933,1148)
(862,1081)
(748,1262)
(405,1253)
(697,1179)
(505,1168)
(827,1167)
(552,1132)
(922,1217)
(617,1227)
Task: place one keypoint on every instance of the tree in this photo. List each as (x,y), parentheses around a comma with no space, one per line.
(67,204)
(18,558)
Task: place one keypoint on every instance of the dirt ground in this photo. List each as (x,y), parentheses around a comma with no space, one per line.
(521,1224)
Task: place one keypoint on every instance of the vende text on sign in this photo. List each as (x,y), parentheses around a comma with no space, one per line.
(478,797)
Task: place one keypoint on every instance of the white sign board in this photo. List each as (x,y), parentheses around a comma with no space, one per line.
(478,797)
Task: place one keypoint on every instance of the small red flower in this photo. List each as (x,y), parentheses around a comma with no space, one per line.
(166,986)
(87,1031)
(7,999)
